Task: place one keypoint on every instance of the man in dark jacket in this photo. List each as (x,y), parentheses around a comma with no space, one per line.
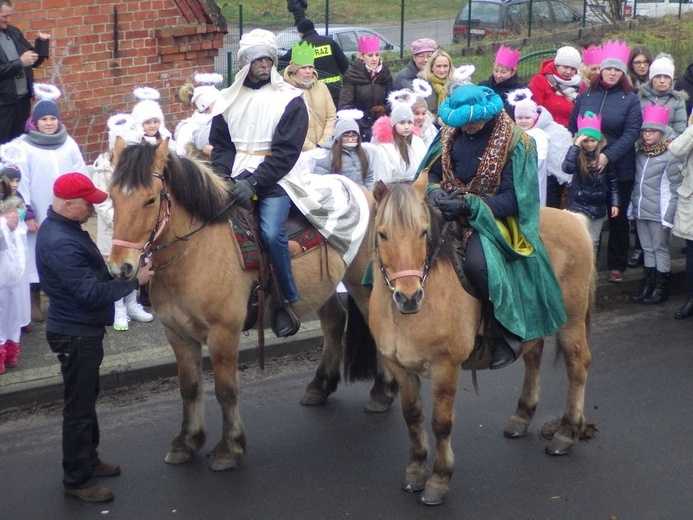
(422,50)
(82,295)
(685,83)
(17,57)
(330,60)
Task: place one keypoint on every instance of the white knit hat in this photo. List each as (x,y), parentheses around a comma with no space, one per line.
(662,66)
(147,108)
(568,57)
(256,44)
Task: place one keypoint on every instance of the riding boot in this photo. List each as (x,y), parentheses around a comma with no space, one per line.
(505,348)
(661,290)
(37,313)
(285,322)
(686,310)
(649,286)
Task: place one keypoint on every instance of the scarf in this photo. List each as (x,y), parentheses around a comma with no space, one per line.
(374,73)
(654,150)
(569,88)
(439,86)
(47,141)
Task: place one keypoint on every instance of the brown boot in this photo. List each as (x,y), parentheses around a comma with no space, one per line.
(106,469)
(93,493)
(37,313)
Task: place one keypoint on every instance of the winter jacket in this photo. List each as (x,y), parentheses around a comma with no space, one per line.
(362,92)
(682,148)
(654,192)
(405,77)
(591,195)
(10,69)
(74,276)
(674,100)
(560,141)
(621,123)
(543,94)
(351,166)
(685,84)
(322,113)
(389,165)
(502,89)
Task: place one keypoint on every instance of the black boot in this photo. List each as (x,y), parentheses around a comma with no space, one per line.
(635,259)
(285,322)
(661,291)
(506,349)
(649,286)
(686,310)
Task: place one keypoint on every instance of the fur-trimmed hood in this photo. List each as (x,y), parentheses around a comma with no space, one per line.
(647,92)
(383,131)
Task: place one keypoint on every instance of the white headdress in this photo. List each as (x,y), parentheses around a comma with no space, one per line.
(421,87)
(46,91)
(206,93)
(147,108)
(463,76)
(12,153)
(119,125)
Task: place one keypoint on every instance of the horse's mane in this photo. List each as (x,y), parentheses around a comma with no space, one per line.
(191,182)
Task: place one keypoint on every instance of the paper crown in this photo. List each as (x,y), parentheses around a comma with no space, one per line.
(616,50)
(592,56)
(655,116)
(368,44)
(508,57)
(303,54)
(590,124)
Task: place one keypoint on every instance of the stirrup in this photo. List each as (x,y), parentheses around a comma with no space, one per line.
(285,322)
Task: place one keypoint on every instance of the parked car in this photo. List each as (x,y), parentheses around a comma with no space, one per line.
(503,17)
(346,36)
(655,8)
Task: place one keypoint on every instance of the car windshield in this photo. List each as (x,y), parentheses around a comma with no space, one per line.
(482,13)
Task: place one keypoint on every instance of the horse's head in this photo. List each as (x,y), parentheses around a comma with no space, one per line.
(139,198)
(401,236)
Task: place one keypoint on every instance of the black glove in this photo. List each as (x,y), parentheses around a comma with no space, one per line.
(436,195)
(242,191)
(454,207)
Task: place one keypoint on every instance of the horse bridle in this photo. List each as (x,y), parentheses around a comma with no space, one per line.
(422,275)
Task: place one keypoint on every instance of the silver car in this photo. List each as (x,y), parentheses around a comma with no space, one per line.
(346,36)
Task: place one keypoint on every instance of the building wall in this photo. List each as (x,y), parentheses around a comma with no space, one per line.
(100,51)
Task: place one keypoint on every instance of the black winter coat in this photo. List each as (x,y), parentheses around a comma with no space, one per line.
(621,122)
(10,69)
(590,196)
(362,92)
(685,83)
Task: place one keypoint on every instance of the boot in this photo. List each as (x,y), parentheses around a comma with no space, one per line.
(135,310)
(661,291)
(2,359)
(285,321)
(506,348)
(12,351)
(686,310)
(636,258)
(37,313)
(121,321)
(649,286)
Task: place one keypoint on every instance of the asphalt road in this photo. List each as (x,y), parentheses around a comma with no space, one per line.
(339,462)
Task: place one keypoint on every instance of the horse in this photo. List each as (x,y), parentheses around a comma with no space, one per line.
(174,211)
(432,334)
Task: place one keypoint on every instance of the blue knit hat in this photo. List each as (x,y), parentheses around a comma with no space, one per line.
(44,108)
(468,104)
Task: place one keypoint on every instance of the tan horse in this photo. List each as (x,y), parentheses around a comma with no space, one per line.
(200,290)
(433,336)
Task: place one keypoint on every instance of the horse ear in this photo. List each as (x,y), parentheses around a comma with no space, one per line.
(379,191)
(118,148)
(161,156)
(421,183)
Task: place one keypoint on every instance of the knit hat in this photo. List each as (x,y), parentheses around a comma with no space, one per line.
(11,172)
(257,44)
(401,112)
(662,66)
(147,108)
(508,57)
(423,45)
(76,185)
(568,57)
(655,117)
(615,55)
(346,122)
(44,108)
(468,104)
(119,125)
(305,26)
(521,100)
(590,125)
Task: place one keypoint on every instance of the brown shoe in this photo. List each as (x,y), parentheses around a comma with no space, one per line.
(106,469)
(93,493)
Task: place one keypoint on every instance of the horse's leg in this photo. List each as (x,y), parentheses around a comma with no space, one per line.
(573,342)
(412,408)
(223,352)
(384,389)
(192,432)
(332,321)
(444,380)
(518,424)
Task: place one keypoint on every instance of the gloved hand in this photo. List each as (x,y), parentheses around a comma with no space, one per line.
(454,207)
(436,195)
(242,191)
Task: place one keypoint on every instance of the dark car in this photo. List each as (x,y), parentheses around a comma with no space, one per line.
(502,17)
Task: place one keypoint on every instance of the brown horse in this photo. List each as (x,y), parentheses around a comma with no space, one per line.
(433,336)
(200,290)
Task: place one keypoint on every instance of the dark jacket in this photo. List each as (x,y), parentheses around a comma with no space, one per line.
(10,69)
(502,89)
(685,83)
(590,196)
(621,122)
(362,92)
(405,77)
(74,276)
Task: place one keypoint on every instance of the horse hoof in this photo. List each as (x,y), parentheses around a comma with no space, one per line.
(377,406)
(177,457)
(225,464)
(311,399)
(558,447)
(515,429)
(433,496)
(415,482)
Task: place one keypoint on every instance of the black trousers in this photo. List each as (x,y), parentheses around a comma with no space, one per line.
(619,231)
(13,117)
(475,267)
(80,359)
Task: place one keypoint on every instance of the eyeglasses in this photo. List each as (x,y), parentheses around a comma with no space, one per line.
(640,63)
(350,137)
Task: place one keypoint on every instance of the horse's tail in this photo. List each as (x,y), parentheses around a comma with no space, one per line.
(360,356)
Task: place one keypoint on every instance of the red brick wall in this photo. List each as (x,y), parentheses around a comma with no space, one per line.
(161,44)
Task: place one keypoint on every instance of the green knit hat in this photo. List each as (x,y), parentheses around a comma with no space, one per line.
(303,54)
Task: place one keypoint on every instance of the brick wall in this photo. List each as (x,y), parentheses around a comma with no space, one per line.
(157,43)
